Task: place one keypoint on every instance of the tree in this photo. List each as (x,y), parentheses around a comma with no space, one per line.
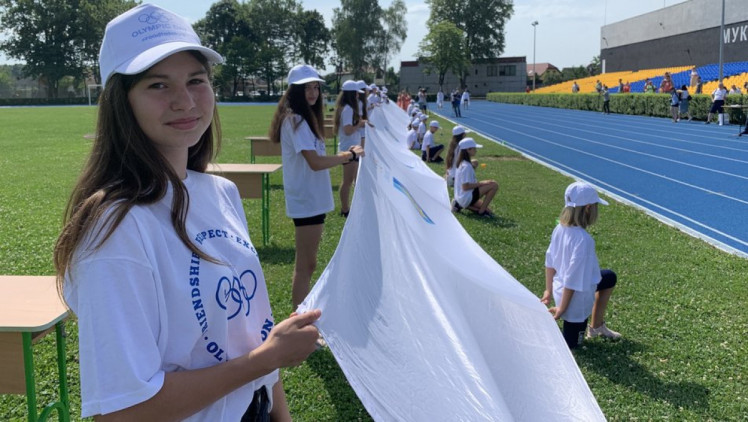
(314,38)
(356,25)
(595,67)
(274,23)
(551,76)
(7,82)
(442,50)
(482,21)
(56,38)
(393,33)
(574,72)
(227,30)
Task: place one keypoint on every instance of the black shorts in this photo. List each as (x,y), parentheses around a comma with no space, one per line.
(259,409)
(309,221)
(476,196)
(717,106)
(574,333)
(608,281)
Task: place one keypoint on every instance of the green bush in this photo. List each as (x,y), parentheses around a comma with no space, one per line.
(656,105)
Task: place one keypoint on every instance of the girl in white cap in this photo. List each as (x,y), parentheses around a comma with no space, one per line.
(458,133)
(155,258)
(297,125)
(347,124)
(572,273)
(469,192)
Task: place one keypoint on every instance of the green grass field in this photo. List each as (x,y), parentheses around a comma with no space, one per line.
(680,303)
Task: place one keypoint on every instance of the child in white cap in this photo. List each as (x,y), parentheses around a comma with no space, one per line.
(298,126)
(430,150)
(469,192)
(348,123)
(458,133)
(412,138)
(155,258)
(572,273)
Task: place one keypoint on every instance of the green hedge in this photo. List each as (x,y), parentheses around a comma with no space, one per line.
(657,105)
(42,101)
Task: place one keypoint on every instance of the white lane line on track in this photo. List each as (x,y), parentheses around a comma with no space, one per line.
(618,148)
(628,130)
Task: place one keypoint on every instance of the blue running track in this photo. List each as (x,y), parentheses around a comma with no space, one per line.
(687,174)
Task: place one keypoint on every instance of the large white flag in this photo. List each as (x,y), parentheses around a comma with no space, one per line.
(425,324)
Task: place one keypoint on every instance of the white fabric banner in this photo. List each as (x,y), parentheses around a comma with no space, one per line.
(425,324)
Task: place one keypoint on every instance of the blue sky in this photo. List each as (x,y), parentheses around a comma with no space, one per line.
(568,31)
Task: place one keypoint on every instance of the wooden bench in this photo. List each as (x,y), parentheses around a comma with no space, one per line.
(262,146)
(253,181)
(29,309)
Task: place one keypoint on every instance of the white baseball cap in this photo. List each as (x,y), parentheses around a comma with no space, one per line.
(303,73)
(423,116)
(579,194)
(144,35)
(362,85)
(373,87)
(468,143)
(351,86)
(458,130)
(434,123)
(415,122)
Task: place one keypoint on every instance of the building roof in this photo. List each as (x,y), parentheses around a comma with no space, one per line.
(540,68)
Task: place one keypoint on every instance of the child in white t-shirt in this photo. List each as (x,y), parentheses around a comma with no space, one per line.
(453,152)
(348,123)
(155,258)
(430,150)
(469,192)
(572,274)
(297,125)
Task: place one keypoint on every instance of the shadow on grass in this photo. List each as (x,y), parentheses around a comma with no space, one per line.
(612,359)
(274,254)
(497,220)
(346,403)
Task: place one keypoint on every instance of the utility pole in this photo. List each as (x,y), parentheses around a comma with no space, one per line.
(534,27)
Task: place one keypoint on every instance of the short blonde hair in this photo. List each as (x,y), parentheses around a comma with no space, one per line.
(578,216)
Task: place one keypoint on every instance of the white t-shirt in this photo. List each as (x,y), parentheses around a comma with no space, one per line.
(345,142)
(412,140)
(452,170)
(428,140)
(373,100)
(422,129)
(572,254)
(465,174)
(146,305)
(719,94)
(440,96)
(465,96)
(308,192)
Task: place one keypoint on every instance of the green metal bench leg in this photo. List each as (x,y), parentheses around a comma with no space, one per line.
(265,209)
(62,406)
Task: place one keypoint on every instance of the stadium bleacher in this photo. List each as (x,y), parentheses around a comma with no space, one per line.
(735,73)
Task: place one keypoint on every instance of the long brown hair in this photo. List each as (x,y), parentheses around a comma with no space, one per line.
(350,99)
(464,156)
(452,148)
(294,101)
(125,169)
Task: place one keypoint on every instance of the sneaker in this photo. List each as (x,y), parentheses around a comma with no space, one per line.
(602,331)
(455,206)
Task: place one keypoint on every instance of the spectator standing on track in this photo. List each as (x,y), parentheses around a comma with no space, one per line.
(440,98)
(685,101)
(466,99)
(606,99)
(422,100)
(572,272)
(455,100)
(674,104)
(718,101)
